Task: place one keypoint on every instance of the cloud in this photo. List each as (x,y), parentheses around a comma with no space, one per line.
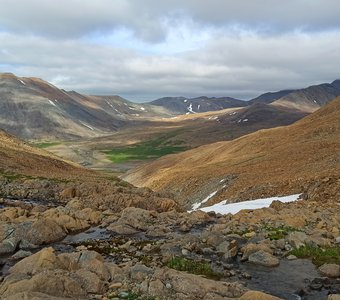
(77,18)
(148,49)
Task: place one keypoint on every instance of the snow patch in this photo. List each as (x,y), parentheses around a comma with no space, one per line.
(185,100)
(198,204)
(88,126)
(233,208)
(142,108)
(190,108)
(245,120)
(198,106)
(21,82)
(52,103)
(110,104)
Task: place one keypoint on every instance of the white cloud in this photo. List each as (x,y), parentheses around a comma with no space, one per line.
(146,49)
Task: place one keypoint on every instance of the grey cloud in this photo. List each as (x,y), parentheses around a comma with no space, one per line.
(235,66)
(75,18)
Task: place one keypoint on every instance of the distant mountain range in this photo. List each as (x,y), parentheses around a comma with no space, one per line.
(182,105)
(32,108)
(307,100)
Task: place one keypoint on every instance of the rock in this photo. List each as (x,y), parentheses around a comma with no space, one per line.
(69,193)
(21,254)
(189,286)
(185,252)
(88,260)
(116,273)
(249,235)
(8,246)
(297,239)
(337,240)
(34,296)
(330,270)
(252,248)
(6,230)
(41,261)
(137,218)
(55,283)
(291,257)
(122,229)
(139,272)
(74,204)
(263,258)
(228,249)
(281,243)
(334,297)
(255,295)
(277,205)
(316,284)
(45,231)
(90,282)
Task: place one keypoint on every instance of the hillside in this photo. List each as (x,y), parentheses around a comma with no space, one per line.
(311,98)
(32,108)
(270,97)
(17,157)
(270,162)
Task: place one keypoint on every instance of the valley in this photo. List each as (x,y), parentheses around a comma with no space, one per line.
(102,198)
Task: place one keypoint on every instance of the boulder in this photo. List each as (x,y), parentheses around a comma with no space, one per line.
(51,282)
(90,282)
(43,260)
(132,220)
(255,295)
(189,286)
(252,248)
(45,231)
(330,270)
(263,258)
(297,239)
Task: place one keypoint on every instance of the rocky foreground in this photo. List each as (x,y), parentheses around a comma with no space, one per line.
(77,251)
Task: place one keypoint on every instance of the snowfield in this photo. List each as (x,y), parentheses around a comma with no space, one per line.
(233,208)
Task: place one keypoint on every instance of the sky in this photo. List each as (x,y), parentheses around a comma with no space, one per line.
(146,49)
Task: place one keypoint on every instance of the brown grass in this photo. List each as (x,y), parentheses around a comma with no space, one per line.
(266,163)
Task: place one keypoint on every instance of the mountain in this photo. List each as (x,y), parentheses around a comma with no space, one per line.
(268,162)
(182,105)
(270,97)
(311,98)
(32,108)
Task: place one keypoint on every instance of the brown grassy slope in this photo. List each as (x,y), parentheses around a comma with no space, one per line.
(27,172)
(16,157)
(265,163)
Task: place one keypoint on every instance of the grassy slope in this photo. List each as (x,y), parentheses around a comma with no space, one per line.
(265,163)
(153,148)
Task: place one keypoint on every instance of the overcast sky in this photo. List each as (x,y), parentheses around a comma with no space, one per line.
(145,49)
